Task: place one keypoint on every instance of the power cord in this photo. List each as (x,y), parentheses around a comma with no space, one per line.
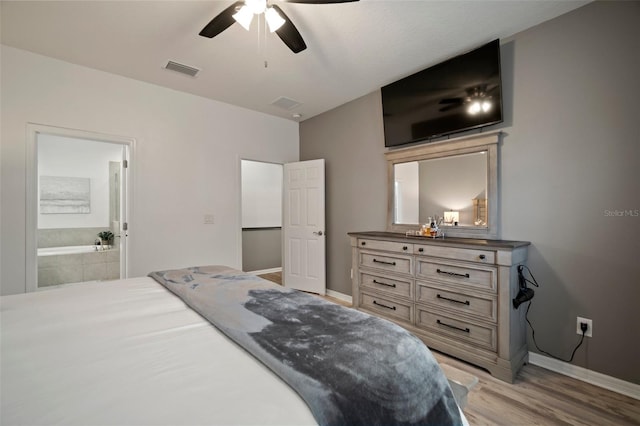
(583,326)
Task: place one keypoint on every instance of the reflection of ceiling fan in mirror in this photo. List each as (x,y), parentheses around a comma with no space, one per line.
(243,11)
(478,99)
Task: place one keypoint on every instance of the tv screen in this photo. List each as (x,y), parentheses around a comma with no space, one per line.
(459,94)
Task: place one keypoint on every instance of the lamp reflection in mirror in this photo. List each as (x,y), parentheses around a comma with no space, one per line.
(244,16)
(451,218)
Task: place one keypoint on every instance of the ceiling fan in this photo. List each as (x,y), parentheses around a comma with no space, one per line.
(243,11)
(478,99)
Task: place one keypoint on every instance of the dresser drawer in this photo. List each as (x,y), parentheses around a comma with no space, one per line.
(393,286)
(386,307)
(385,245)
(467,274)
(482,306)
(471,255)
(458,328)
(387,261)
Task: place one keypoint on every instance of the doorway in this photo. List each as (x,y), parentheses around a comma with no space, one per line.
(77,207)
(261,186)
(288,199)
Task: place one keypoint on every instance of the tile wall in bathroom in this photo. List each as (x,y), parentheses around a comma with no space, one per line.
(78,267)
(65,237)
(75,267)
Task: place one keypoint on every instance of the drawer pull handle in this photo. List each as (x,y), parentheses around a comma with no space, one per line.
(405,248)
(455,274)
(384,262)
(466,330)
(482,257)
(384,306)
(466,302)
(363,243)
(381,283)
(420,249)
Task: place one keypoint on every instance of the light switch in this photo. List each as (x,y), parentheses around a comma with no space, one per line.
(208,219)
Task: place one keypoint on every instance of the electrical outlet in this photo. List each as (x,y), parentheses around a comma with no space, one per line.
(589,331)
(209,219)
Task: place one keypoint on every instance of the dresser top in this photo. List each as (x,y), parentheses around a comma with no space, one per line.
(446,241)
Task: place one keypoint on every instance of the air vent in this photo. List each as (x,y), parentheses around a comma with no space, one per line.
(181,68)
(285,103)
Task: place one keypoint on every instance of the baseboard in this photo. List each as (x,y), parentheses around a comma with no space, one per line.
(265,271)
(340,296)
(598,379)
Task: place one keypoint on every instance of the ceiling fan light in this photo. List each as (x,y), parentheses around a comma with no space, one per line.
(256,6)
(274,20)
(474,108)
(244,16)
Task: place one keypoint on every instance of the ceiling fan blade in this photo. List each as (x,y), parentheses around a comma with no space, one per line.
(320,1)
(451,101)
(221,22)
(450,107)
(289,34)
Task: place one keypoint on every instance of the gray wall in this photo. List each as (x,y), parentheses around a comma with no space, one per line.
(261,249)
(350,139)
(570,162)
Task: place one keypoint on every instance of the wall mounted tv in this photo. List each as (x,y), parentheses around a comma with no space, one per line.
(461,93)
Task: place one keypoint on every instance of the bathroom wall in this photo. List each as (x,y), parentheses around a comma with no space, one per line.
(69,157)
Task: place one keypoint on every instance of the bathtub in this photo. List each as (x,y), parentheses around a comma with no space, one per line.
(73,264)
(51,251)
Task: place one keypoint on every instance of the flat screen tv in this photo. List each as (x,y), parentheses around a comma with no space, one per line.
(459,94)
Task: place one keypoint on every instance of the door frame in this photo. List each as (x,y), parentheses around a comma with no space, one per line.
(31,189)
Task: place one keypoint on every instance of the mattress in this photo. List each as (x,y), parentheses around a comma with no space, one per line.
(128,352)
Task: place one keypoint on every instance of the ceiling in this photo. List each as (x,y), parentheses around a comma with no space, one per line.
(353,48)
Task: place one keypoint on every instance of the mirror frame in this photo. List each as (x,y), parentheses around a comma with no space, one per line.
(488,142)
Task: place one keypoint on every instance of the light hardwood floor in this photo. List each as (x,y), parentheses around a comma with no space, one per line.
(538,397)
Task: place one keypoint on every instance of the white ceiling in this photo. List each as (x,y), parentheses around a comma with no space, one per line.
(353,48)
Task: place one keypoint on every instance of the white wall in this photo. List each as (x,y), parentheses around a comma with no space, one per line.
(186,162)
(261,194)
(70,157)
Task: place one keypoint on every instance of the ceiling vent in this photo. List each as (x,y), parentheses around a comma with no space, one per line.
(181,68)
(285,103)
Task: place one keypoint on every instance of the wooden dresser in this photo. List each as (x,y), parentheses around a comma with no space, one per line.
(453,293)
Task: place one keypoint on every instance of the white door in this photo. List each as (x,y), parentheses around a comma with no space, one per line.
(304,233)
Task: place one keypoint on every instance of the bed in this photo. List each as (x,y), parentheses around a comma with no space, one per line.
(129,352)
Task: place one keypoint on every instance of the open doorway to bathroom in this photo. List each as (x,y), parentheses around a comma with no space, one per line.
(77,220)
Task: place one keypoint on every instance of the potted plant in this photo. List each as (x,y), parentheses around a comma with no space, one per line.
(105,238)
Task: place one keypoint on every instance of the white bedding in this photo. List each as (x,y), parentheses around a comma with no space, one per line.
(128,352)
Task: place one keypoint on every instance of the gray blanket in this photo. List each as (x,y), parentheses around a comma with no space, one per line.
(351,368)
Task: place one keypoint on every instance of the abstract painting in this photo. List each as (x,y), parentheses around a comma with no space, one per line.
(64,195)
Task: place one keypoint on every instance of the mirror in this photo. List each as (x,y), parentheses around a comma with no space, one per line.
(459,195)
(455,180)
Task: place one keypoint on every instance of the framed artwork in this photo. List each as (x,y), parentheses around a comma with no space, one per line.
(65,195)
